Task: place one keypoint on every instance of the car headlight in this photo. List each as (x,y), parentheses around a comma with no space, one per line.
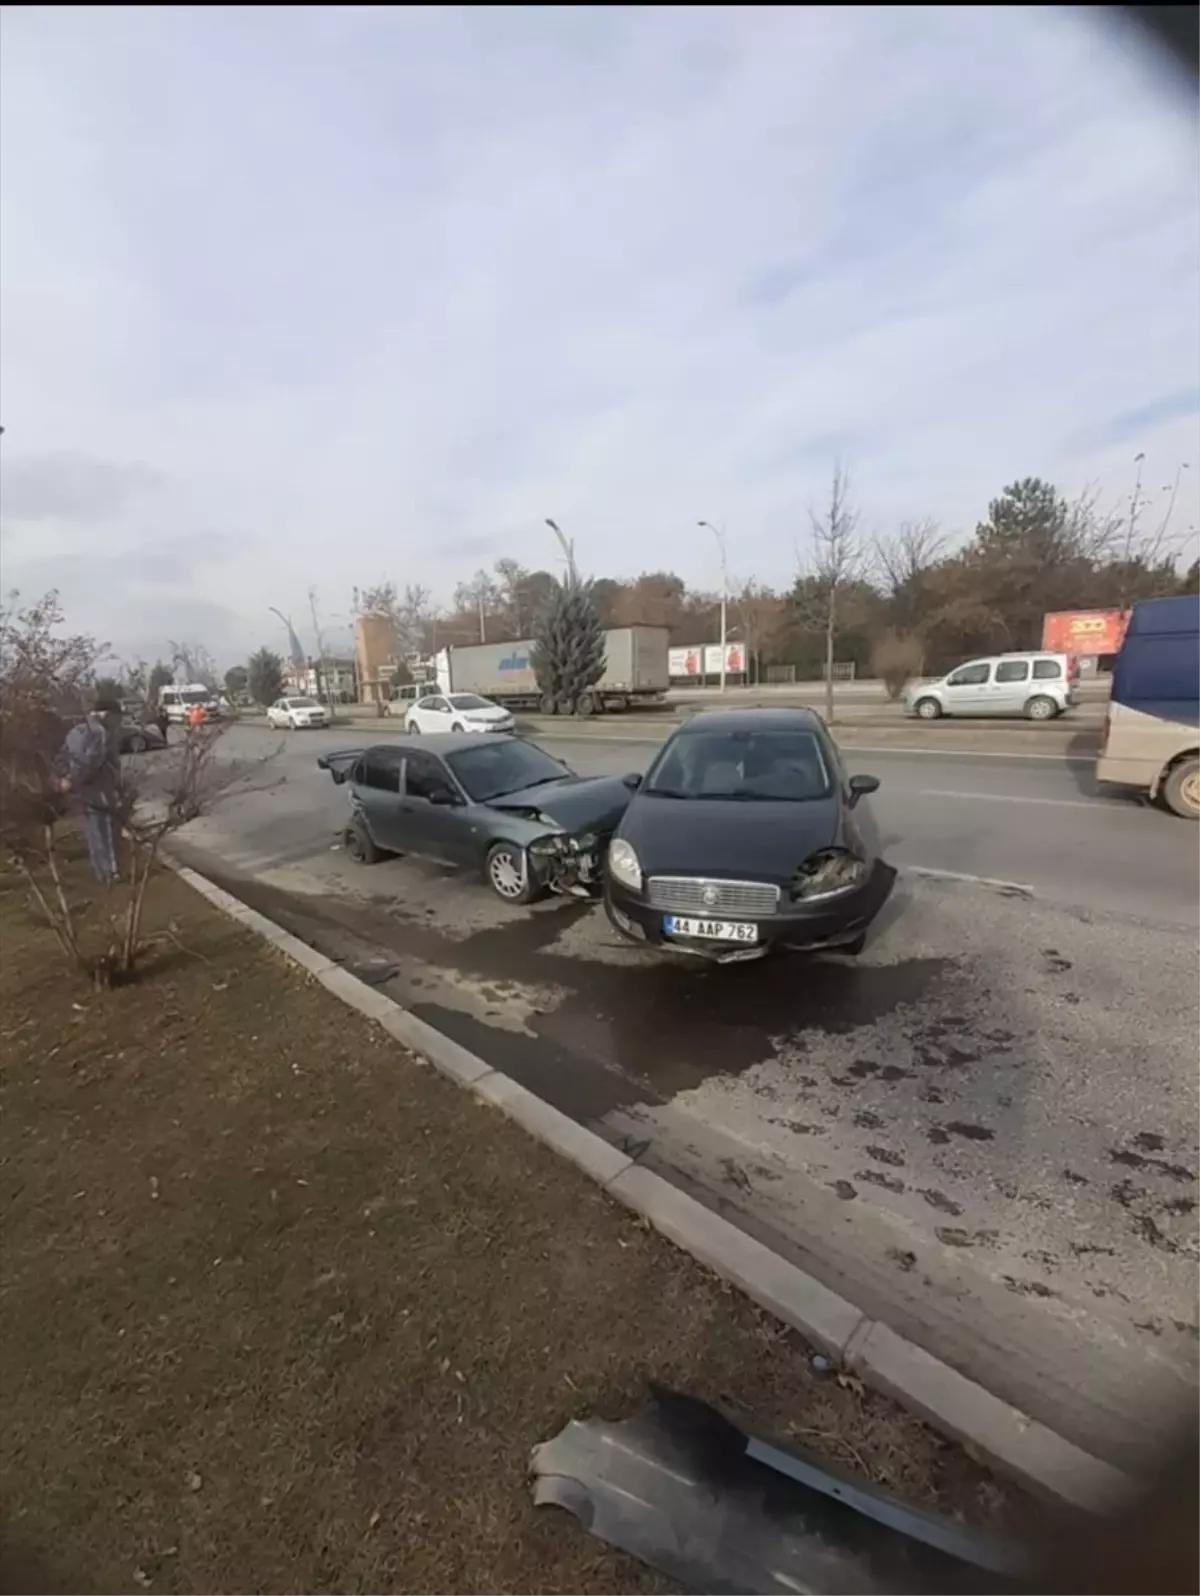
(828,873)
(624,865)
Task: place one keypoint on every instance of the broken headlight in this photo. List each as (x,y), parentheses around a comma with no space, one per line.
(550,846)
(827,873)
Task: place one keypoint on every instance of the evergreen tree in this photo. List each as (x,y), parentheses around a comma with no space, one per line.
(568,653)
(264,673)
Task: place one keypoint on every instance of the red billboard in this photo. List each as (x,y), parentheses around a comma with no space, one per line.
(1084,631)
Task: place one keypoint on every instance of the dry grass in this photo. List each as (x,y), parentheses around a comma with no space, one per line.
(282,1310)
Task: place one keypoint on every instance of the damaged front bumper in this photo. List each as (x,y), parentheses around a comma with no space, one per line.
(716,1508)
(569,865)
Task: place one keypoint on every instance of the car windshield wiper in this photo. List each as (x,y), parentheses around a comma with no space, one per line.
(666,792)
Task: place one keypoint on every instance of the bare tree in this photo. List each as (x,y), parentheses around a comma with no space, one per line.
(480,595)
(902,560)
(836,559)
(194,662)
(42,693)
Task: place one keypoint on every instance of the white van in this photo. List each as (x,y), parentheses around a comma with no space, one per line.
(175,701)
(1036,685)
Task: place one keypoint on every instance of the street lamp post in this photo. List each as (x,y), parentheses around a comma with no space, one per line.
(720,537)
(566,544)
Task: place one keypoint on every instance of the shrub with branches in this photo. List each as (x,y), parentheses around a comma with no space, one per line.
(896,658)
(44,690)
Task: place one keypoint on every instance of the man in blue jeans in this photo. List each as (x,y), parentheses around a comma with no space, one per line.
(90,763)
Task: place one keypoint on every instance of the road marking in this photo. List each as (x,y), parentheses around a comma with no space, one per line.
(935,874)
(1022,798)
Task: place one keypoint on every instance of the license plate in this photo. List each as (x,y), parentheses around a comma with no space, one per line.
(710,930)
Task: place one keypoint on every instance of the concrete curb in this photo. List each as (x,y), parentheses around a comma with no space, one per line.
(1005,1437)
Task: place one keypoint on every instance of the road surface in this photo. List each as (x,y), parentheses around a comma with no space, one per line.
(983,1130)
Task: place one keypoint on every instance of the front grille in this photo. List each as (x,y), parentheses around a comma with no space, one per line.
(687,895)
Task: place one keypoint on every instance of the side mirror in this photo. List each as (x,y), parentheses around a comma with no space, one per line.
(633,780)
(445,797)
(860,786)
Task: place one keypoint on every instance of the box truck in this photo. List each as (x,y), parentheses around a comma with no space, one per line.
(635,672)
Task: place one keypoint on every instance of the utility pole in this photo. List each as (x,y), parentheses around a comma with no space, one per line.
(720,537)
(324,667)
(482,616)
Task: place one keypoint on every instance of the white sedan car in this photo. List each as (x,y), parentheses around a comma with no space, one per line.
(293,714)
(456,712)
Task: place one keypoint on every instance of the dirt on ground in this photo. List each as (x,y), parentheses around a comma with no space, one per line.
(281,1309)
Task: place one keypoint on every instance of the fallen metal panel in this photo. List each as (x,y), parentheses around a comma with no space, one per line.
(689,1493)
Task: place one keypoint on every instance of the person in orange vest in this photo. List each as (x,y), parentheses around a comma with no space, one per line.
(196,716)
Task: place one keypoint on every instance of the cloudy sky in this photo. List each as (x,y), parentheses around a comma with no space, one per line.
(296,298)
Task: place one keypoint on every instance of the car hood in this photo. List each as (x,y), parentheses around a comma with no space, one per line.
(748,841)
(584,803)
(485,715)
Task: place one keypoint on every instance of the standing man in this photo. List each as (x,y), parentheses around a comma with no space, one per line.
(90,765)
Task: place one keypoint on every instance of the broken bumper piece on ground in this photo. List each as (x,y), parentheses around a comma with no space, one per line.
(716,1509)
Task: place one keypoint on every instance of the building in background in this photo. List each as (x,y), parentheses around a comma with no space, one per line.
(334,680)
(375,657)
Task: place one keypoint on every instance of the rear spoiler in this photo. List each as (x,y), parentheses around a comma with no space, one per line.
(340,763)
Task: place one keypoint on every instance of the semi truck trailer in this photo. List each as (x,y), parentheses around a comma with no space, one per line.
(635,672)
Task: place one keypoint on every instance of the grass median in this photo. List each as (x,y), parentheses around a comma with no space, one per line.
(283,1310)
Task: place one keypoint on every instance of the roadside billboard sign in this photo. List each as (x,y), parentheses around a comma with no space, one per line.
(697,661)
(1084,632)
(735,659)
(683,662)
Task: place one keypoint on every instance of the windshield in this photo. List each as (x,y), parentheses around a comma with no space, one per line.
(197,695)
(763,766)
(304,703)
(470,701)
(502,767)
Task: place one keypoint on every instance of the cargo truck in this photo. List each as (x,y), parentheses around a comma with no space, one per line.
(635,672)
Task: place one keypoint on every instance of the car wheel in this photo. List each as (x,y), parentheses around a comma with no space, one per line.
(358,844)
(1181,790)
(549,704)
(136,744)
(1041,708)
(507,872)
(586,704)
(929,709)
(413,729)
(456,727)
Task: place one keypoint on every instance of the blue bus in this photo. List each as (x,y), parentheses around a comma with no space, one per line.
(1151,731)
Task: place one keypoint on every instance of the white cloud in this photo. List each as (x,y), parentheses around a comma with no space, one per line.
(306,297)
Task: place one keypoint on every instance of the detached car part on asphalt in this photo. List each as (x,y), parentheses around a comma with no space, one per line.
(484,801)
(745,835)
(717,1509)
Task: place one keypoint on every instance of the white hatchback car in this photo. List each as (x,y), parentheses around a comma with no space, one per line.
(1038,686)
(297,713)
(457,712)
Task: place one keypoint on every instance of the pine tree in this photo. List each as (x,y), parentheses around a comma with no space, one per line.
(568,653)
(264,674)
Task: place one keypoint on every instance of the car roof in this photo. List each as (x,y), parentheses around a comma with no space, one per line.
(443,743)
(795,718)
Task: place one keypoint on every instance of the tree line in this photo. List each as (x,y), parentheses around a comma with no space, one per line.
(858,597)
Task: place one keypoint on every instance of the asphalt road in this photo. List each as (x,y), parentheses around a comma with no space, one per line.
(983,1130)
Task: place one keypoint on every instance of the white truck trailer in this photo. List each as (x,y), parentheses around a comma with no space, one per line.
(635,672)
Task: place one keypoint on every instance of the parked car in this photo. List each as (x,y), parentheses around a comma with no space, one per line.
(456,712)
(293,714)
(140,736)
(1036,685)
(746,835)
(484,802)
